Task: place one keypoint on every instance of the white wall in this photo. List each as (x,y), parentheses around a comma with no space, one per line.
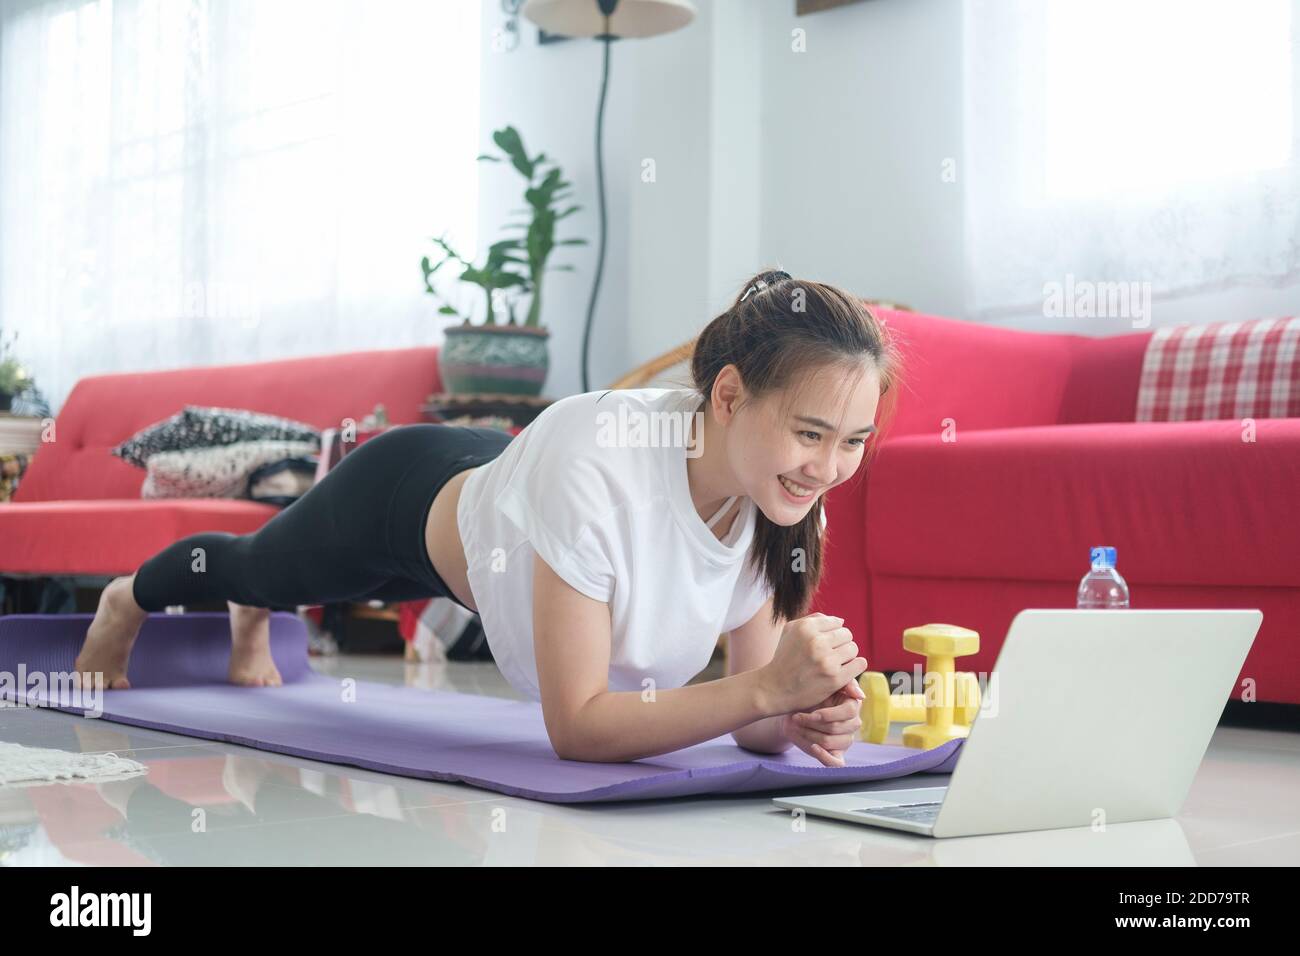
(856,130)
(827,163)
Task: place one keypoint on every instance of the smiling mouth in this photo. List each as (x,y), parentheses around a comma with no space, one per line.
(799,492)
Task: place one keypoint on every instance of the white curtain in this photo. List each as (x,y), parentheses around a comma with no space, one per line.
(195,182)
(1128,141)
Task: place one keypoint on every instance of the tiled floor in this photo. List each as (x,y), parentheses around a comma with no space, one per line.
(1243,810)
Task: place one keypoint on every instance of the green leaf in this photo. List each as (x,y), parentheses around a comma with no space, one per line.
(510,143)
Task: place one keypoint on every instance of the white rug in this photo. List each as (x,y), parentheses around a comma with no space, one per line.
(28,766)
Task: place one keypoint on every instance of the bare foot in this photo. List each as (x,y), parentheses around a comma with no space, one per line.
(251,664)
(107,648)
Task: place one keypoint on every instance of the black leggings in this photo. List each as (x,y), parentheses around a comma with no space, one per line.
(356,535)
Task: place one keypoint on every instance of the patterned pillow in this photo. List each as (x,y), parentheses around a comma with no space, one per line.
(200,426)
(221,471)
(282,482)
(1221,370)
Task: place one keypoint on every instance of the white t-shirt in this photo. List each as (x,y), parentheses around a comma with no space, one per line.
(616,521)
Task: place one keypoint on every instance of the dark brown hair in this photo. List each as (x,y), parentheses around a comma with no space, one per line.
(777,332)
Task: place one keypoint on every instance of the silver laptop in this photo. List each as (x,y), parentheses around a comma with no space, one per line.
(1089,717)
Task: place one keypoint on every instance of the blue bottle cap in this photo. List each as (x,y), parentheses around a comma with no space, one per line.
(1102,556)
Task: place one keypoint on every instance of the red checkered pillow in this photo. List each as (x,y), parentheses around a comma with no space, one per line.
(1222,370)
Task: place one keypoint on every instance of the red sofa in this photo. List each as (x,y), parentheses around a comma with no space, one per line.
(1047,462)
(78,510)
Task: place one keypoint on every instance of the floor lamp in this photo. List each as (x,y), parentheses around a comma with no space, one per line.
(606,20)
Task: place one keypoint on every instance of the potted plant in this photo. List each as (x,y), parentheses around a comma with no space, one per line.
(13,377)
(506,357)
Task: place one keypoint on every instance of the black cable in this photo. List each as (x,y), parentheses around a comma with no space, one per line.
(600,187)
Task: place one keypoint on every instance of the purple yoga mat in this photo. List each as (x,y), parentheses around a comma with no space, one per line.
(178,684)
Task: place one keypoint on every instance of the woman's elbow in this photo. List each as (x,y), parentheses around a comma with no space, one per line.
(566,749)
(571,749)
(592,746)
(563,742)
(570,741)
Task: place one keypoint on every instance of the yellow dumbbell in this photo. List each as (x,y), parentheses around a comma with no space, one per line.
(951,700)
(880,708)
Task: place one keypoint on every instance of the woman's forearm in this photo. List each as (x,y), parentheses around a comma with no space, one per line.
(628,725)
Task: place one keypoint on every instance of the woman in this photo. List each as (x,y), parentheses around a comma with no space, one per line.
(605,546)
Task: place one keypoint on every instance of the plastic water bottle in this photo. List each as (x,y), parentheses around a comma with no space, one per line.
(1102,587)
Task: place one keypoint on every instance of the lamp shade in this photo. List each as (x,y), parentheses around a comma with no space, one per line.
(631,18)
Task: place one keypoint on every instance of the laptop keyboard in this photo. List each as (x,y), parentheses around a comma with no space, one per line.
(912,812)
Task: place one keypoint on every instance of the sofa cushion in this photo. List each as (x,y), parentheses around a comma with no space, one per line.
(1103,382)
(1185,503)
(197,426)
(113,535)
(283,482)
(219,472)
(1222,370)
(977,376)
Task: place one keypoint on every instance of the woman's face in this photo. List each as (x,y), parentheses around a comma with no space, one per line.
(816,444)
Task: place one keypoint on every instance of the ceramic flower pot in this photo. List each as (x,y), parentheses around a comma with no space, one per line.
(507,359)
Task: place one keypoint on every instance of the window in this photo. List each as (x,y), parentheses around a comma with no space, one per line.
(189,182)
